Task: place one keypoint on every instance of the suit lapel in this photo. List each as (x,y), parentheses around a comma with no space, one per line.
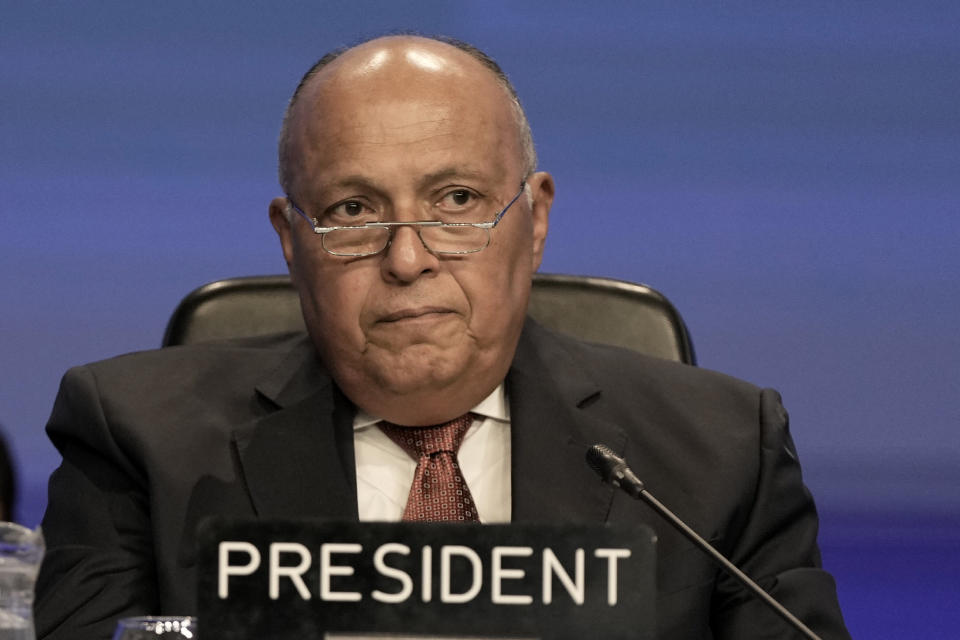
(552,427)
(297,460)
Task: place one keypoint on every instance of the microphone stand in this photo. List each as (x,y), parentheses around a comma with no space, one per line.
(614,470)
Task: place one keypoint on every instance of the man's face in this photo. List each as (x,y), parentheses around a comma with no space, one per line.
(406,127)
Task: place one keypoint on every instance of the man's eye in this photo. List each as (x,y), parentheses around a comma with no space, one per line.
(348,212)
(350,209)
(458,199)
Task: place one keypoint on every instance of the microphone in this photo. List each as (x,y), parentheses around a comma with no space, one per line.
(614,470)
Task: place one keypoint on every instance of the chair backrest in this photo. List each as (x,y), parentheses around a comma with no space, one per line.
(600,310)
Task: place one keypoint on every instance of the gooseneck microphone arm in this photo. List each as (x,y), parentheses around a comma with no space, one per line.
(614,470)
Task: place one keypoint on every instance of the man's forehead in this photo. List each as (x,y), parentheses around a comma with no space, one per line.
(403,80)
(392,67)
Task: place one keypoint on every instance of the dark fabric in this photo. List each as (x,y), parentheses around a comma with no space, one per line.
(154,442)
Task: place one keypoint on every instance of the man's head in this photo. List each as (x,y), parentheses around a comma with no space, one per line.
(406,129)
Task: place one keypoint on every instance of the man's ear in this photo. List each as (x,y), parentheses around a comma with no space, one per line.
(541,188)
(282,225)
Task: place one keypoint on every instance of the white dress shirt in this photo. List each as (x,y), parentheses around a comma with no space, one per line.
(385,471)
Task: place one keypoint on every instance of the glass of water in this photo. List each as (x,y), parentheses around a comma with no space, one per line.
(147,627)
(20,553)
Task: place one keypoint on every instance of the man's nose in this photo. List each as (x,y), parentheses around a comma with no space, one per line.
(407,258)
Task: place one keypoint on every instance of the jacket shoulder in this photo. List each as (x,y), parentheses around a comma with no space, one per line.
(616,367)
(187,365)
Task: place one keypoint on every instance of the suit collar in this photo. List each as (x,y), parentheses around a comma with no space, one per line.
(298,375)
(552,426)
(294,464)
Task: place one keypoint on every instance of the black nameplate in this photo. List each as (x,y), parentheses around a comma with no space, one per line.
(316,580)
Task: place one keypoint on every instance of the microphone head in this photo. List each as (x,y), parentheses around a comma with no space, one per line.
(603,461)
(613,469)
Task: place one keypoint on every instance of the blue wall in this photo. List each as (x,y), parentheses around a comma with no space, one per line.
(788,175)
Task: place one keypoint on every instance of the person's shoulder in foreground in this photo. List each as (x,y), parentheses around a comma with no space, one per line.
(412,220)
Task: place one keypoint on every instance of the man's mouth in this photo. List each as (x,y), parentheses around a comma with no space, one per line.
(413,314)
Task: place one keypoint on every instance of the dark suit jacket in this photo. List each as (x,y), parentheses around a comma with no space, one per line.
(154,442)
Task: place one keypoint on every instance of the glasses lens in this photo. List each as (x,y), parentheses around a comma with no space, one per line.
(455,239)
(356,242)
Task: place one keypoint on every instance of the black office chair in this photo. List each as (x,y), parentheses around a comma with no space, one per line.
(600,310)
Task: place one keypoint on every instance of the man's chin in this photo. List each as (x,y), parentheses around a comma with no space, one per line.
(423,367)
(422,385)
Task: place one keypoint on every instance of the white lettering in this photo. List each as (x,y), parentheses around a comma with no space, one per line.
(612,555)
(327,570)
(461,573)
(552,567)
(225,569)
(294,573)
(498,574)
(446,553)
(426,574)
(406,584)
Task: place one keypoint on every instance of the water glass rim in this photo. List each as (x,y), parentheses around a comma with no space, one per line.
(150,623)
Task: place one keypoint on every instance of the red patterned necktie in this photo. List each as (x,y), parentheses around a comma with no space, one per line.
(439,491)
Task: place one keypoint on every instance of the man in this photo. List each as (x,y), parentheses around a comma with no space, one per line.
(415,323)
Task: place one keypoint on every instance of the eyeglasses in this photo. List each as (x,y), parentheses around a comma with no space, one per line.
(438,237)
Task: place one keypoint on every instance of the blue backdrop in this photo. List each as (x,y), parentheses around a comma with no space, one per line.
(787,174)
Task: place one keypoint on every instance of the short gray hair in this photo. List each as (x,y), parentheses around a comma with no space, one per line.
(285,149)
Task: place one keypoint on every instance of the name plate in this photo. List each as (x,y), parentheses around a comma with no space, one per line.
(321,580)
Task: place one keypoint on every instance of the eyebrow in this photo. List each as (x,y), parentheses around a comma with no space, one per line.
(355,181)
(446,173)
(453,172)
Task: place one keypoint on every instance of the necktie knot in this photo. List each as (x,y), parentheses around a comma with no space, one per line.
(419,442)
(438,491)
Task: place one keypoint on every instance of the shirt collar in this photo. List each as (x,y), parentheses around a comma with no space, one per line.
(494,406)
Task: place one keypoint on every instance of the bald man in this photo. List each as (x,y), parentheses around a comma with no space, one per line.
(412,221)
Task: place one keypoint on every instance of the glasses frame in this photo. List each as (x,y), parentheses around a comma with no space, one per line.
(390,226)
